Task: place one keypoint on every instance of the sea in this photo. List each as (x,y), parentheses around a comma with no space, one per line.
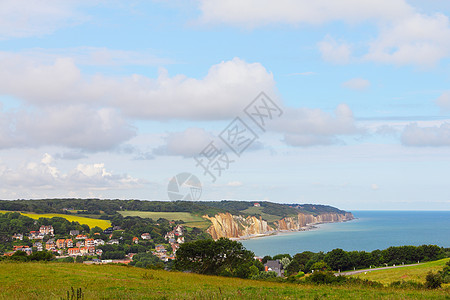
(370,230)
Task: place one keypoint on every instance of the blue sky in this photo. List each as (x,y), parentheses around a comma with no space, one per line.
(111,99)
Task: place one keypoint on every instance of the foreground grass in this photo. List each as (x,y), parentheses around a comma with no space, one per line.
(190,220)
(103,224)
(415,273)
(53,280)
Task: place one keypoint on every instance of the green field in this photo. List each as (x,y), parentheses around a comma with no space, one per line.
(189,219)
(53,280)
(415,273)
(103,224)
(258,211)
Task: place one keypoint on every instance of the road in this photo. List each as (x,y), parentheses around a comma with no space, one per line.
(373,269)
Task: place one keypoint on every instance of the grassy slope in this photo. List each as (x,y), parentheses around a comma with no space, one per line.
(258,211)
(190,220)
(415,273)
(52,280)
(82,220)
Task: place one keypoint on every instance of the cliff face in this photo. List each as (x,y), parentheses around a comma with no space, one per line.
(230,226)
(303,220)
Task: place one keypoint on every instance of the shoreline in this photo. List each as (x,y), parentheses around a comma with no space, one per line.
(309,227)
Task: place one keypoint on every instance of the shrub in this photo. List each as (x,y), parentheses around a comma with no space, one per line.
(433,280)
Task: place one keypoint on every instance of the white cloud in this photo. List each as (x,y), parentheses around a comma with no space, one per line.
(332,51)
(358,84)
(221,94)
(25,18)
(187,143)
(415,39)
(433,136)
(72,126)
(404,36)
(444,101)
(252,13)
(308,127)
(374,186)
(44,175)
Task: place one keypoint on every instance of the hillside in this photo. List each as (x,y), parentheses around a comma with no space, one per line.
(31,281)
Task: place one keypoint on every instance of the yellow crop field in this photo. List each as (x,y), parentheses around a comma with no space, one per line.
(103,224)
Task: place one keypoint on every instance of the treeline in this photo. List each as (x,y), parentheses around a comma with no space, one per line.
(339,259)
(105,207)
(108,208)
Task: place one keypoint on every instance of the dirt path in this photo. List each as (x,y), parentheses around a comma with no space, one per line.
(373,269)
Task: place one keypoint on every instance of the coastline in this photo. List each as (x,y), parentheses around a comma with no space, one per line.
(280,232)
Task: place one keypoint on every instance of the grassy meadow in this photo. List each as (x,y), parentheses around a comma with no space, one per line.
(53,280)
(415,273)
(103,224)
(190,220)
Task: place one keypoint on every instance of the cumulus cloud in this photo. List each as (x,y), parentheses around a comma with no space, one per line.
(357,84)
(332,51)
(72,126)
(405,36)
(187,143)
(444,101)
(25,18)
(46,176)
(309,127)
(415,39)
(221,94)
(434,136)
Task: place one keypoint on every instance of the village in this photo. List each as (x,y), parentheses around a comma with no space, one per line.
(88,247)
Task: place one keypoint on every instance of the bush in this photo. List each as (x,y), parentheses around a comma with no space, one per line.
(433,280)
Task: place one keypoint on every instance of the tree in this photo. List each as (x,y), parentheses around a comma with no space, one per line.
(337,259)
(433,280)
(214,257)
(320,266)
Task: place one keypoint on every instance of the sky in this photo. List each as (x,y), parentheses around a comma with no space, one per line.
(344,103)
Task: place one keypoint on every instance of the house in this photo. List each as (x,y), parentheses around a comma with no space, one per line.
(35,235)
(171,241)
(84,250)
(74,232)
(50,245)
(80,244)
(18,236)
(256,204)
(90,243)
(160,248)
(69,243)
(81,237)
(99,242)
(38,246)
(73,251)
(61,243)
(180,240)
(146,236)
(136,240)
(25,249)
(46,230)
(274,265)
(113,242)
(178,230)
(175,247)
(169,235)
(99,252)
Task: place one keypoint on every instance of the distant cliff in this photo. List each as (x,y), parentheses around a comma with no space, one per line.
(236,226)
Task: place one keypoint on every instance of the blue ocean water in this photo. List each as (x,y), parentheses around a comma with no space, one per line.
(371,230)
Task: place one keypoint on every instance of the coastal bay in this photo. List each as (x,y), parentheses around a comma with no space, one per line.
(371,230)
